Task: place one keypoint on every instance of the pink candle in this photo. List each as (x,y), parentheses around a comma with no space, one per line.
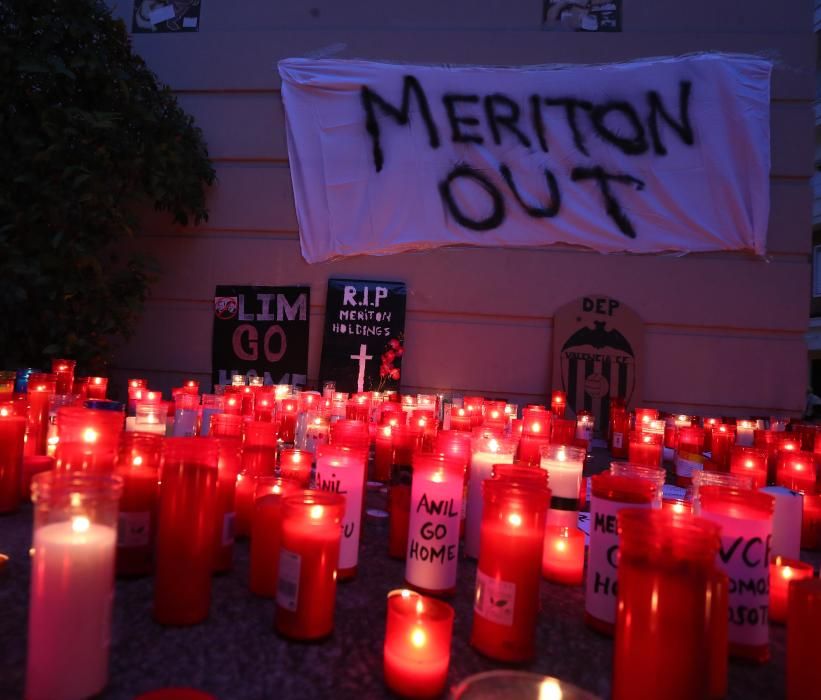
(342,470)
(417,644)
(72,577)
(563,555)
(433,532)
(746,519)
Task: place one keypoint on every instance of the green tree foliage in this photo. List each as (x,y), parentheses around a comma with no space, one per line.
(88,138)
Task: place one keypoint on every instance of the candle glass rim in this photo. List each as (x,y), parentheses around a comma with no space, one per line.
(652,533)
(435,610)
(642,471)
(781,560)
(703,477)
(202,451)
(516,683)
(306,498)
(623,488)
(48,485)
(755,500)
(573,453)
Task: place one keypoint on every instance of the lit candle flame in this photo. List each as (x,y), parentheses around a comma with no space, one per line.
(678,508)
(438,476)
(515,519)
(4,412)
(550,689)
(137,461)
(80,523)
(536,427)
(493,445)
(90,435)
(561,455)
(316,512)
(561,544)
(418,637)
(786,572)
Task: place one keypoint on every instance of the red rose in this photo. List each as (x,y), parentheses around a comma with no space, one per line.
(394,343)
(395,374)
(388,356)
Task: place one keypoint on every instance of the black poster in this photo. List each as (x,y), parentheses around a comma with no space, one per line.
(364,335)
(261,331)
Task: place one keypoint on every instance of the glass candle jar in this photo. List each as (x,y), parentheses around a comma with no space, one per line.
(416,654)
(212,404)
(97,387)
(383,453)
(795,469)
(186,414)
(639,471)
(564,466)
(88,438)
(703,478)
(485,452)
(406,441)
(296,465)
(783,572)
(563,555)
(41,389)
(558,403)
(433,533)
(72,584)
(343,470)
(609,494)
(288,411)
(258,459)
(266,533)
(746,520)
(12,437)
(308,557)
(645,448)
(185,531)
(138,464)
(787,517)
(721,443)
(63,371)
(750,461)
(506,605)
(803,623)
(663,632)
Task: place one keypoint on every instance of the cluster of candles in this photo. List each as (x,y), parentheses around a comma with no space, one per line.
(163,489)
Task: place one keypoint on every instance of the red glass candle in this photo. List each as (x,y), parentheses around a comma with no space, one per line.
(383,454)
(63,371)
(677,505)
(663,633)
(258,459)
(287,420)
(456,444)
(474,407)
(506,605)
(416,654)
(536,421)
(529,448)
(796,470)
(138,463)
(746,519)
(558,403)
(12,437)
(745,433)
(351,433)
(563,555)
(803,623)
(295,465)
(33,465)
(185,531)
(40,391)
(460,420)
(266,533)
(226,430)
(645,448)
(342,470)
(358,408)
(520,472)
(88,438)
(405,443)
(618,433)
(585,422)
(811,522)
(639,471)
(610,493)
(690,439)
(704,478)
(750,461)
(563,431)
(783,572)
(97,387)
(308,556)
(721,443)
(80,387)
(644,416)
(433,530)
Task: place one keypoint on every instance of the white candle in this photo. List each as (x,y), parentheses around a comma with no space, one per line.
(564,470)
(486,453)
(70,609)
(744,433)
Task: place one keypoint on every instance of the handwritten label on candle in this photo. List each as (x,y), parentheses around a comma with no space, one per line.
(228,529)
(288,584)
(495,599)
(134,529)
(602,558)
(744,556)
(618,440)
(433,541)
(349,483)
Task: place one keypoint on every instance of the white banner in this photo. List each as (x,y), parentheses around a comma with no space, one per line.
(649,156)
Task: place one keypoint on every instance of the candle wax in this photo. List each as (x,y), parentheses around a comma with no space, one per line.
(70,611)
